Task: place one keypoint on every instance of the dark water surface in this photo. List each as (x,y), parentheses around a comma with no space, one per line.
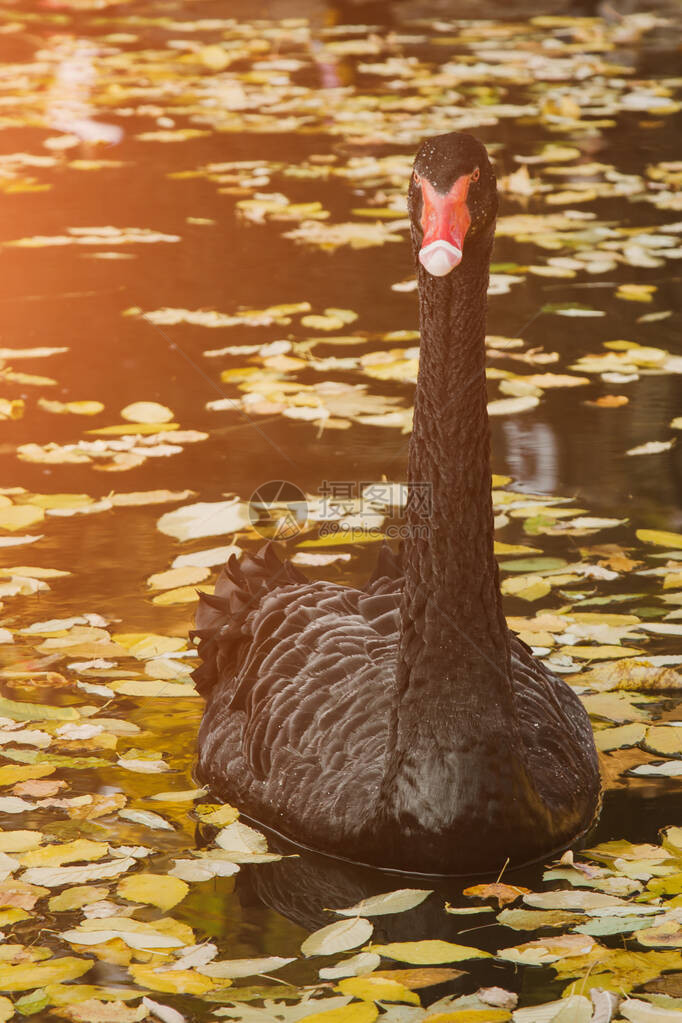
(290,105)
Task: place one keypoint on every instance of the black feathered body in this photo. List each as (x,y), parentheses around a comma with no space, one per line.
(301,696)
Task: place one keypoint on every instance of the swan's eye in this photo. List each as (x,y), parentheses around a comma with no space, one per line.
(417,178)
(476,174)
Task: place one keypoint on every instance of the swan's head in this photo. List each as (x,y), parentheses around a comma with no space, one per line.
(452,200)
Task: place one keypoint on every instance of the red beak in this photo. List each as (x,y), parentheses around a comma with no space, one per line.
(445,221)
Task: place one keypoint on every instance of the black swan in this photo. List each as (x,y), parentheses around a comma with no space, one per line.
(402,724)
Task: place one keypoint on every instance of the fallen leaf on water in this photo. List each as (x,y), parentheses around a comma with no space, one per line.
(188,575)
(549,950)
(55,877)
(638,1011)
(652,447)
(664,935)
(68,852)
(356,1012)
(13,517)
(147,819)
(429,952)
(667,769)
(193,521)
(660,538)
(504,893)
(92,1010)
(380,989)
(391,902)
(574,1009)
(609,401)
(510,406)
(153,889)
(337,937)
(146,412)
(187,982)
(25,977)
(234,968)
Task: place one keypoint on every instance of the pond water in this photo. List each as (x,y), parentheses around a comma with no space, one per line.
(203,209)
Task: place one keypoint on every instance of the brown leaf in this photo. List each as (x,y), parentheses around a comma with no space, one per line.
(504,893)
(95,1011)
(38,788)
(415,979)
(20,894)
(100,806)
(609,401)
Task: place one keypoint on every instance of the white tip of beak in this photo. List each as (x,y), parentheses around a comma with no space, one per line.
(440,257)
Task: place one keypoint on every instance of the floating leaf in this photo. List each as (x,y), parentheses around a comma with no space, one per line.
(548,950)
(185,982)
(660,538)
(429,952)
(193,521)
(337,937)
(504,893)
(356,1012)
(234,968)
(379,989)
(153,889)
(55,877)
(24,977)
(391,902)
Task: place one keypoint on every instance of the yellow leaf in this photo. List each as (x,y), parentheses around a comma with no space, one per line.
(659,537)
(514,548)
(664,739)
(549,950)
(377,989)
(6,1009)
(13,773)
(599,653)
(218,816)
(146,412)
(19,841)
(68,852)
(154,687)
(428,953)
(12,916)
(183,982)
(13,517)
(527,587)
(149,644)
(665,935)
(180,595)
(470,1016)
(153,889)
(322,322)
(77,408)
(636,292)
(74,898)
(187,575)
(142,428)
(60,500)
(27,976)
(356,1012)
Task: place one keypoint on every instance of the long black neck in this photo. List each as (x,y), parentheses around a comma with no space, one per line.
(454,634)
(454,714)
